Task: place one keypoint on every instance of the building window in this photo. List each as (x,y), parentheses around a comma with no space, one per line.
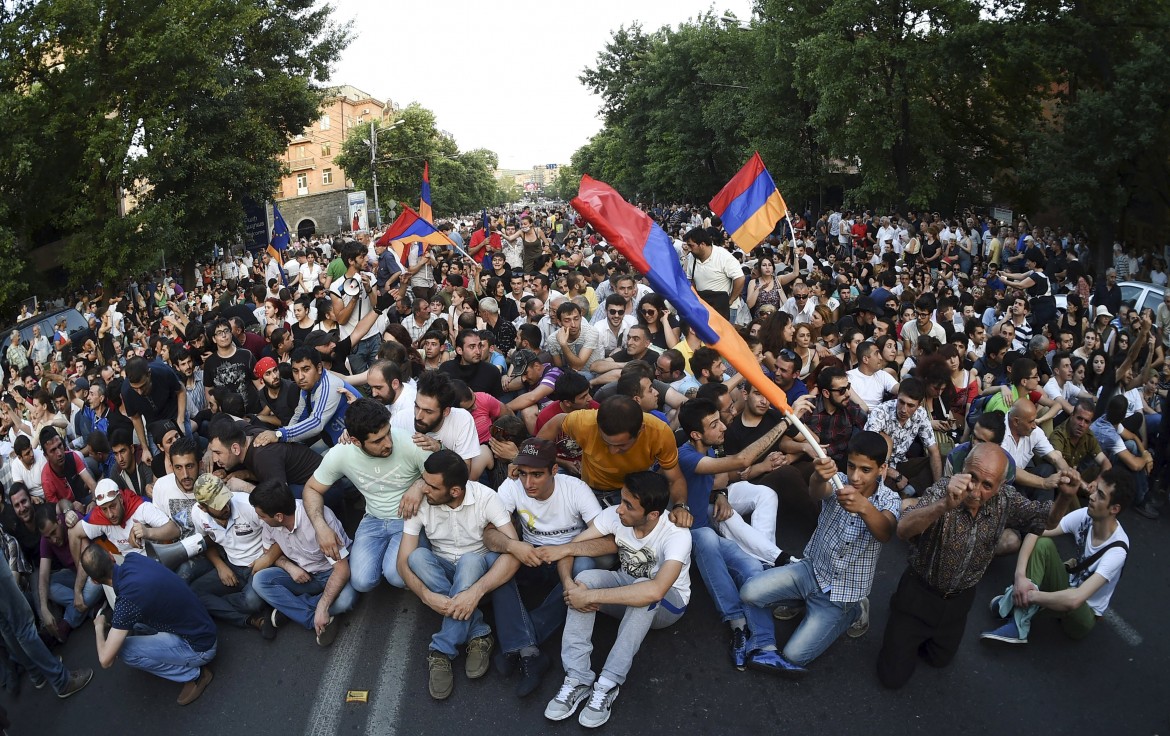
(300,151)
(302,183)
(325,121)
(326,149)
(326,176)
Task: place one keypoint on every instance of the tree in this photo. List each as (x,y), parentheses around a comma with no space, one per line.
(567,183)
(187,105)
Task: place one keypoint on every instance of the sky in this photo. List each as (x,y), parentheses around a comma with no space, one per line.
(500,74)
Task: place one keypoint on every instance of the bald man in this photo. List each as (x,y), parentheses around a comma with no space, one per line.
(953,532)
(1037,461)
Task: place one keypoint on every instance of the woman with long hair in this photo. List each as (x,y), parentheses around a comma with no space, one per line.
(497,289)
(765,288)
(940,401)
(652,314)
(965,382)
(1098,372)
(1073,320)
(888,348)
(776,335)
(274,312)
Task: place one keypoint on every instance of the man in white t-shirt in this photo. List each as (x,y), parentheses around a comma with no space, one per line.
(440,423)
(27,464)
(650,590)
(923,325)
(1060,387)
(174,495)
(869,382)
(454,574)
(551,509)
(1080,595)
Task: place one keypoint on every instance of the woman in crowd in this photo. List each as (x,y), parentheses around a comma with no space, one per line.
(653,315)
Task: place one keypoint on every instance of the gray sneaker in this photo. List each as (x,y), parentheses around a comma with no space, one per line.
(596,713)
(77,680)
(787,613)
(571,695)
(861,625)
(479,658)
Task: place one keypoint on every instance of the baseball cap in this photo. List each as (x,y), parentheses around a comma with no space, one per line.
(212,492)
(105,491)
(536,453)
(520,360)
(80,384)
(263,366)
(320,338)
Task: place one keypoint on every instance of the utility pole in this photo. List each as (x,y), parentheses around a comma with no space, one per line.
(374,173)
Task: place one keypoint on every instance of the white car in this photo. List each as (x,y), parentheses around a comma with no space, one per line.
(1139,293)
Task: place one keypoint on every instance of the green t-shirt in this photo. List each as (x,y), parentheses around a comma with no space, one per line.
(996,403)
(336,269)
(382,480)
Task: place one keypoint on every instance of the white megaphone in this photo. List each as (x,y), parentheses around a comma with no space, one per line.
(175,554)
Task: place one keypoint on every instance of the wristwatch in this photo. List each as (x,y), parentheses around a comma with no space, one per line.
(682,506)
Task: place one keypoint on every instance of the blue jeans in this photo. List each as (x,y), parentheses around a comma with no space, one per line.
(374,554)
(61,592)
(725,567)
(365,353)
(19,631)
(166,655)
(451,579)
(1141,479)
(235,604)
(793,585)
(516,625)
(296,600)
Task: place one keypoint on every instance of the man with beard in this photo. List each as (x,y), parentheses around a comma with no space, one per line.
(387,386)
(468,365)
(575,345)
(440,423)
(383,463)
(65,479)
(174,494)
(637,347)
(230,366)
(321,408)
(57,585)
(278,397)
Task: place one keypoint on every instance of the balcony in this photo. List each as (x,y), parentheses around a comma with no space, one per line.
(300,164)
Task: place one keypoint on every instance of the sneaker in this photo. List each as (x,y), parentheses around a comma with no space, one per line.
(193,689)
(769,660)
(571,695)
(479,650)
(532,671)
(329,633)
(38,681)
(440,681)
(787,613)
(739,639)
(1008,634)
(600,705)
(861,625)
(995,606)
(278,618)
(267,626)
(1147,510)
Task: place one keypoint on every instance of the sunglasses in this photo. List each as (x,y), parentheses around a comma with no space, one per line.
(787,354)
(843,390)
(617,311)
(800,297)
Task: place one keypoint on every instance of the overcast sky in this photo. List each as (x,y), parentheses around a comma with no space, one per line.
(500,74)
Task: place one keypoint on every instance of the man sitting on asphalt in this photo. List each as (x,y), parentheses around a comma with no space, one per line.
(321,410)
(550,508)
(650,590)
(458,570)
(173,635)
(833,581)
(1030,448)
(57,585)
(901,422)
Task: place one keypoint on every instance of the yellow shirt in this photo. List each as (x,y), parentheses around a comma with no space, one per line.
(603,470)
(687,351)
(591,296)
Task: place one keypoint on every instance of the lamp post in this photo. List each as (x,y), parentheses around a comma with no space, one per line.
(373,144)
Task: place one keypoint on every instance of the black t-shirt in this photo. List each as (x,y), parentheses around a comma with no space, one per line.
(621,356)
(480,376)
(738,436)
(246,315)
(292,462)
(161,402)
(285,403)
(235,374)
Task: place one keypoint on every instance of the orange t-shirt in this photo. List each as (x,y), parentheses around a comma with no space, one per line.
(603,470)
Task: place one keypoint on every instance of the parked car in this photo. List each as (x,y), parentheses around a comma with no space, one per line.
(1139,293)
(75,325)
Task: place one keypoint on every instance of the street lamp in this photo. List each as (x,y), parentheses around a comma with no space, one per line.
(373,144)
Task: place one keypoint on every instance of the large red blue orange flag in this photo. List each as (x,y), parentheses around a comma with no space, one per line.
(410,227)
(649,249)
(750,205)
(424,196)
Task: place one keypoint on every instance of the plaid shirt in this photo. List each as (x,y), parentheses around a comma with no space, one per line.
(842,551)
(884,419)
(837,428)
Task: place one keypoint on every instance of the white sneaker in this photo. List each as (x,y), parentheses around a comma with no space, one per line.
(596,713)
(571,695)
(861,625)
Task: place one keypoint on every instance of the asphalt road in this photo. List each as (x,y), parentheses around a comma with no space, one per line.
(682,679)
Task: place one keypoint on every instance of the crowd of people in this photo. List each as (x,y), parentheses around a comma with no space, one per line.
(520,419)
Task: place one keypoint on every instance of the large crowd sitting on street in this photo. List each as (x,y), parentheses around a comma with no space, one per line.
(522,421)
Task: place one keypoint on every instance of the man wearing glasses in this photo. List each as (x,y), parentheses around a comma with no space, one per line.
(799,306)
(611,333)
(230,366)
(924,324)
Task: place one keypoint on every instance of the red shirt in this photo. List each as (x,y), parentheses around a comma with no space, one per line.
(56,487)
(486,410)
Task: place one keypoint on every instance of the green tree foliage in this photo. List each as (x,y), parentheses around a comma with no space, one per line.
(567,183)
(461,182)
(185,104)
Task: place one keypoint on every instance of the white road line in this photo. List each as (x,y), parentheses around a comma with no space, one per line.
(1127,633)
(388,695)
(326,711)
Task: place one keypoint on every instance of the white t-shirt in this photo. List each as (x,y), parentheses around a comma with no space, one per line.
(717,273)
(337,289)
(241,536)
(1134,397)
(310,276)
(171,500)
(642,558)
(1069,392)
(150,516)
(454,532)
(402,410)
(563,516)
(871,389)
(458,433)
(1108,566)
(31,478)
(1035,445)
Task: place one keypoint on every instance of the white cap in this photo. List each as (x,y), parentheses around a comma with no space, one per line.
(106,491)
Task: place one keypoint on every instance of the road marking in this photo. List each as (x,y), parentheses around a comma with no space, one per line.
(1127,633)
(391,688)
(330,698)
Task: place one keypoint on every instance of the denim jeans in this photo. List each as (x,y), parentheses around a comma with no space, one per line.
(365,353)
(232,604)
(636,622)
(795,584)
(166,655)
(19,631)
(516,625)
(296,600)
(1141,479)
(374,554)
(451,579)
(61,592)
(725,567)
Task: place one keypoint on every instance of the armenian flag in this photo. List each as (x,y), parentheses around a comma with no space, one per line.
(750,205)
(410,227)
(279,242)
(424,196)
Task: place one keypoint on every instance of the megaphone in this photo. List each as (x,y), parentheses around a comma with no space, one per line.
(175,554)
